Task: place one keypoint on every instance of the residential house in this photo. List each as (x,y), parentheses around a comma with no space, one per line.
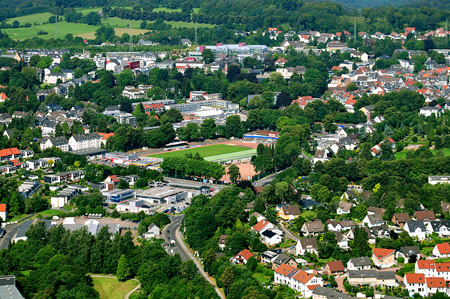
(312,228)
(373,220)
(152,232)
(63,177)
(242,257)
(222,240)
(289,212)
(441,179)
(262,225)
(283,259)
(359,263)
(400,219)
(383,258)
(348,195)
(344,207)
(381,231)
(342,241)
(374,210)
(433,269)
(410,253)
(417,283)
(416,229)
(63,198)
(9,154)
(441,250)
(3,213)
(268,256)
(372,278)
(329,293)
(297,280)
(334,268)
(270,238)
(424,216)
(333,225)
(306,245)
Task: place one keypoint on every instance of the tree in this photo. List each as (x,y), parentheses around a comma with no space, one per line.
(328,124)
(208,128)
(352,87)
(233,126)
(126,78)
(227,278)
(123,271)
(209,259)
(252,263)
(123,184)
(234,173)
(208,56)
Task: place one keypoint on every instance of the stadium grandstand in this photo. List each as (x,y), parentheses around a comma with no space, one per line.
(264,137)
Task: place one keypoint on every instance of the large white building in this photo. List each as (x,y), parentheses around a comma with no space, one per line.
(297,279)
(59,142)
(3,211)
(84,141)
(432,269)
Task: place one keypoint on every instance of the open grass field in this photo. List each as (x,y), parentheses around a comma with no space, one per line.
(34,18)
(111,288)
(402,154)
(119,32)
(86,31)
(204,151)
(63,29)
(261,278)
(51,213)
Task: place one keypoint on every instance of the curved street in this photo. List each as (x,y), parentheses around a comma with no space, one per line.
(172,232)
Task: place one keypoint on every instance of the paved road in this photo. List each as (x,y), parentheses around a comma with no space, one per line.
(181,248)
(11,231)
(288,233)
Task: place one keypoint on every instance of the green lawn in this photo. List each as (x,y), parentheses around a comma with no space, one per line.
(16,218)
(402,154)
(261,278)
(288,243)
(47,213)
(111,288)
(26,272)
(427,250)
(205,151)
(309,214)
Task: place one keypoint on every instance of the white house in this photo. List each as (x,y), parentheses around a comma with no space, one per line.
(306,245)
(417,283)
(270,238)
(297,280)
(373,220)
(359,263)
(441,250)
(416,229)
(344,208)
(3,211)
(153,231)
(242,257)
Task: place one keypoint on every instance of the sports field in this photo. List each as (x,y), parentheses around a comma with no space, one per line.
(205,151)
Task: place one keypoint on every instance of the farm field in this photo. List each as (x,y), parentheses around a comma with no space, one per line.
(204,151)
(111,288)
(63,29)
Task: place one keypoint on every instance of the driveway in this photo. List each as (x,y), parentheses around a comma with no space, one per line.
(340,283)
